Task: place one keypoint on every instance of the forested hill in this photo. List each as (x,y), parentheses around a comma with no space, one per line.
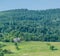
(30,25)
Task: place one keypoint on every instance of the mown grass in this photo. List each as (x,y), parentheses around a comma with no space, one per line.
(33,48)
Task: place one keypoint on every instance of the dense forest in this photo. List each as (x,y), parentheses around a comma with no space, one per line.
(30,25)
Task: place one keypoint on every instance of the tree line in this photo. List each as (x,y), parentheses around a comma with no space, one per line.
(30,25)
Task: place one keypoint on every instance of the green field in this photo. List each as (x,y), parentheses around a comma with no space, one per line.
(33,48)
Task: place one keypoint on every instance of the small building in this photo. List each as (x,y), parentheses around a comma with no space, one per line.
(17,39)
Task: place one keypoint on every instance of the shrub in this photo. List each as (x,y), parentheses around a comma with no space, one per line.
(53,48)
(7,51)
(16,45)
(1,52)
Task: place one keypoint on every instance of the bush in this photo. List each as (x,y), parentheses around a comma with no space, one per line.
(53,48)
(7,51)
(16,45)
(1,52)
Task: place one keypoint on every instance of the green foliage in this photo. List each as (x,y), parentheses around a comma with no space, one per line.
(1,50)
(30,25)
(53,48)
(1,53)
(16,45)
(7,51)
(4,51)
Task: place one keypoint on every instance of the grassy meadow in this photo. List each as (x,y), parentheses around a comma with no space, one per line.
(32,48)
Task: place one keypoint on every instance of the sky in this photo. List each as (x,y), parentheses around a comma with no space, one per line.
(29,4)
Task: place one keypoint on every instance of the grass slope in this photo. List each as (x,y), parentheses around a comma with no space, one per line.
(33,48)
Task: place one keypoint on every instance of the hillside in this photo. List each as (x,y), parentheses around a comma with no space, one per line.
(30,25)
